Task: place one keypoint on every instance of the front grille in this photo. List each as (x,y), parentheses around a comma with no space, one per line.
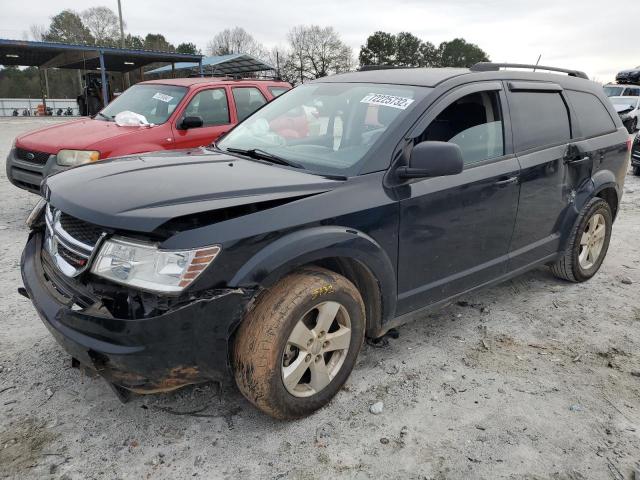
(32,156)
(70,241)
(72,258)
(80,230)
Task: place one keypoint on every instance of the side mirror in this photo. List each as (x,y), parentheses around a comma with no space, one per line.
(433,159)
(191,122)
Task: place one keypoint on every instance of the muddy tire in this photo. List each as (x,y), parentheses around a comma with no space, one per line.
(588,243)
(298,344)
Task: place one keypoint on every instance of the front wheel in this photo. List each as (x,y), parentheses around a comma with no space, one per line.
(298,344)
(588,243)
(634,125)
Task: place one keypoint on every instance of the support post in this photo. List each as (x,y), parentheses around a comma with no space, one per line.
(103,77)
(200,67)
(173,70)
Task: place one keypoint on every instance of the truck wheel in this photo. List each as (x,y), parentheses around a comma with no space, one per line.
(588,243)
(299,343)
(636,171)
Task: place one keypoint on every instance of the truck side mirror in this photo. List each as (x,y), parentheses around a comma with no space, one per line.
(191,122)
(433,159)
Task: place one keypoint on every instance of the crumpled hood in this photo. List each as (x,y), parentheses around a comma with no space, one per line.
(140,193)
(622,108)
(81,134)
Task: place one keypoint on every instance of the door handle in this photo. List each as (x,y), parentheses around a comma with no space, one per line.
(506,181)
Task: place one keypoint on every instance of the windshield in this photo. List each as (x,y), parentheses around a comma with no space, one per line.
(325,127)
(613,91)
(154,102)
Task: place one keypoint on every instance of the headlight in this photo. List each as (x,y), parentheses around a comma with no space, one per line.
(72,158)
(144,266)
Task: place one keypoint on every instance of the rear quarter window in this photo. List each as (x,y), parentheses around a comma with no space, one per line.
(592,115)
(539,119)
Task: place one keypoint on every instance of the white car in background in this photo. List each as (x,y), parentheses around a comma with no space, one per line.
(618,90)
(629,110)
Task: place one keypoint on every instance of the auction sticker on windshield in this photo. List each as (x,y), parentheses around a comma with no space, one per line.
(162,97)
(387,100)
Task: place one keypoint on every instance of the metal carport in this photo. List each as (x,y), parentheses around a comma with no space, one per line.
(86,57)
(233,64)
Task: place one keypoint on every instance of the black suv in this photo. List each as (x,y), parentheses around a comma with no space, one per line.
(274,253)
(629,76)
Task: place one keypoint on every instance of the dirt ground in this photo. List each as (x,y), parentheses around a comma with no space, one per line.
(533,379)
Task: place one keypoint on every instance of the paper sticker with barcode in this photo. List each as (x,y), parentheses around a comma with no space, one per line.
(162,97)
(387,100)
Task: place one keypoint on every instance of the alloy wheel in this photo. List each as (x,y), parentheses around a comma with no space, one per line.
(316,349)
(592,241)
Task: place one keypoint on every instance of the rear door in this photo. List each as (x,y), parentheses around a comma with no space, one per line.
(541,134)
(212,105)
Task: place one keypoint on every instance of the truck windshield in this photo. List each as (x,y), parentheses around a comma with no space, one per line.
(326,127)
(155,101)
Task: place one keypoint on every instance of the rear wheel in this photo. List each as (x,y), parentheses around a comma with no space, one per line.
(299,343)
(588,243)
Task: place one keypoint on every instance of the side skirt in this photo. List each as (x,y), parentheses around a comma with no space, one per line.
(411,316)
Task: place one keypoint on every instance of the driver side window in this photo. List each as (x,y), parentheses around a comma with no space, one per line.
(474,123)
(211,106)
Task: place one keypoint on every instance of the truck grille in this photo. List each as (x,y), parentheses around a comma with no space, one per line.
(70,241)
(31,156)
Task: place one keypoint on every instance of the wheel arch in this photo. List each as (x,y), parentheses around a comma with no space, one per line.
(351,253)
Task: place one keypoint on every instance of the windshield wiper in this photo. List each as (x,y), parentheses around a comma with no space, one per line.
(262,155)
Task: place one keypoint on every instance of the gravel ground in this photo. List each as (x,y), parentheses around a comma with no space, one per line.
(535,379)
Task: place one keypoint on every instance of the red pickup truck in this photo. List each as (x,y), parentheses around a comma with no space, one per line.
(181,113)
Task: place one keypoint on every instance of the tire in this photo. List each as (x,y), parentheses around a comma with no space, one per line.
(571,266)
(263,353)
(636,171)
(634,125)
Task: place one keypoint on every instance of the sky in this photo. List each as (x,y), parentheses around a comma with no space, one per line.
(585,35)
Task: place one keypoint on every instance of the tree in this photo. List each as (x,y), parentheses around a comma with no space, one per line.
(133,41)
(37,32)
(187,48)
(67,27)
(317,52)
(380,49)
(235,40)
(459,53)
(408,50)
(156,41)
(429,55)
(103,25)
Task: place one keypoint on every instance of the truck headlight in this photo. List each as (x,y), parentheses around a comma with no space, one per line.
(145,266)
(72,158)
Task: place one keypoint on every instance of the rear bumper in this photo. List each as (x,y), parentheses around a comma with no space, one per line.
(29,175)
(183,346)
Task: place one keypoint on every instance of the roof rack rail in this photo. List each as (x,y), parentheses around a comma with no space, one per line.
(492,67)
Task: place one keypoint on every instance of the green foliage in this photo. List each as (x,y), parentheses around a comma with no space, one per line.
(156,41)
(187,48)
(67,27)
(407,50)
(459,53)
(380,49)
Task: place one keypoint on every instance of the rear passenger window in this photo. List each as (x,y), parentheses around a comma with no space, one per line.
(593,117)
(539,119)
(248,100)
(277,91)
(474,123)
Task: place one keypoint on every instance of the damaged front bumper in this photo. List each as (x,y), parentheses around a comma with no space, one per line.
(185,345)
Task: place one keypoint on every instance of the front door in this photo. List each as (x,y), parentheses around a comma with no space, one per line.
(455,231)
(212,105)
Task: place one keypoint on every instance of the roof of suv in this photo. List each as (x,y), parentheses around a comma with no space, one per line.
(431,77)
(188,82)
